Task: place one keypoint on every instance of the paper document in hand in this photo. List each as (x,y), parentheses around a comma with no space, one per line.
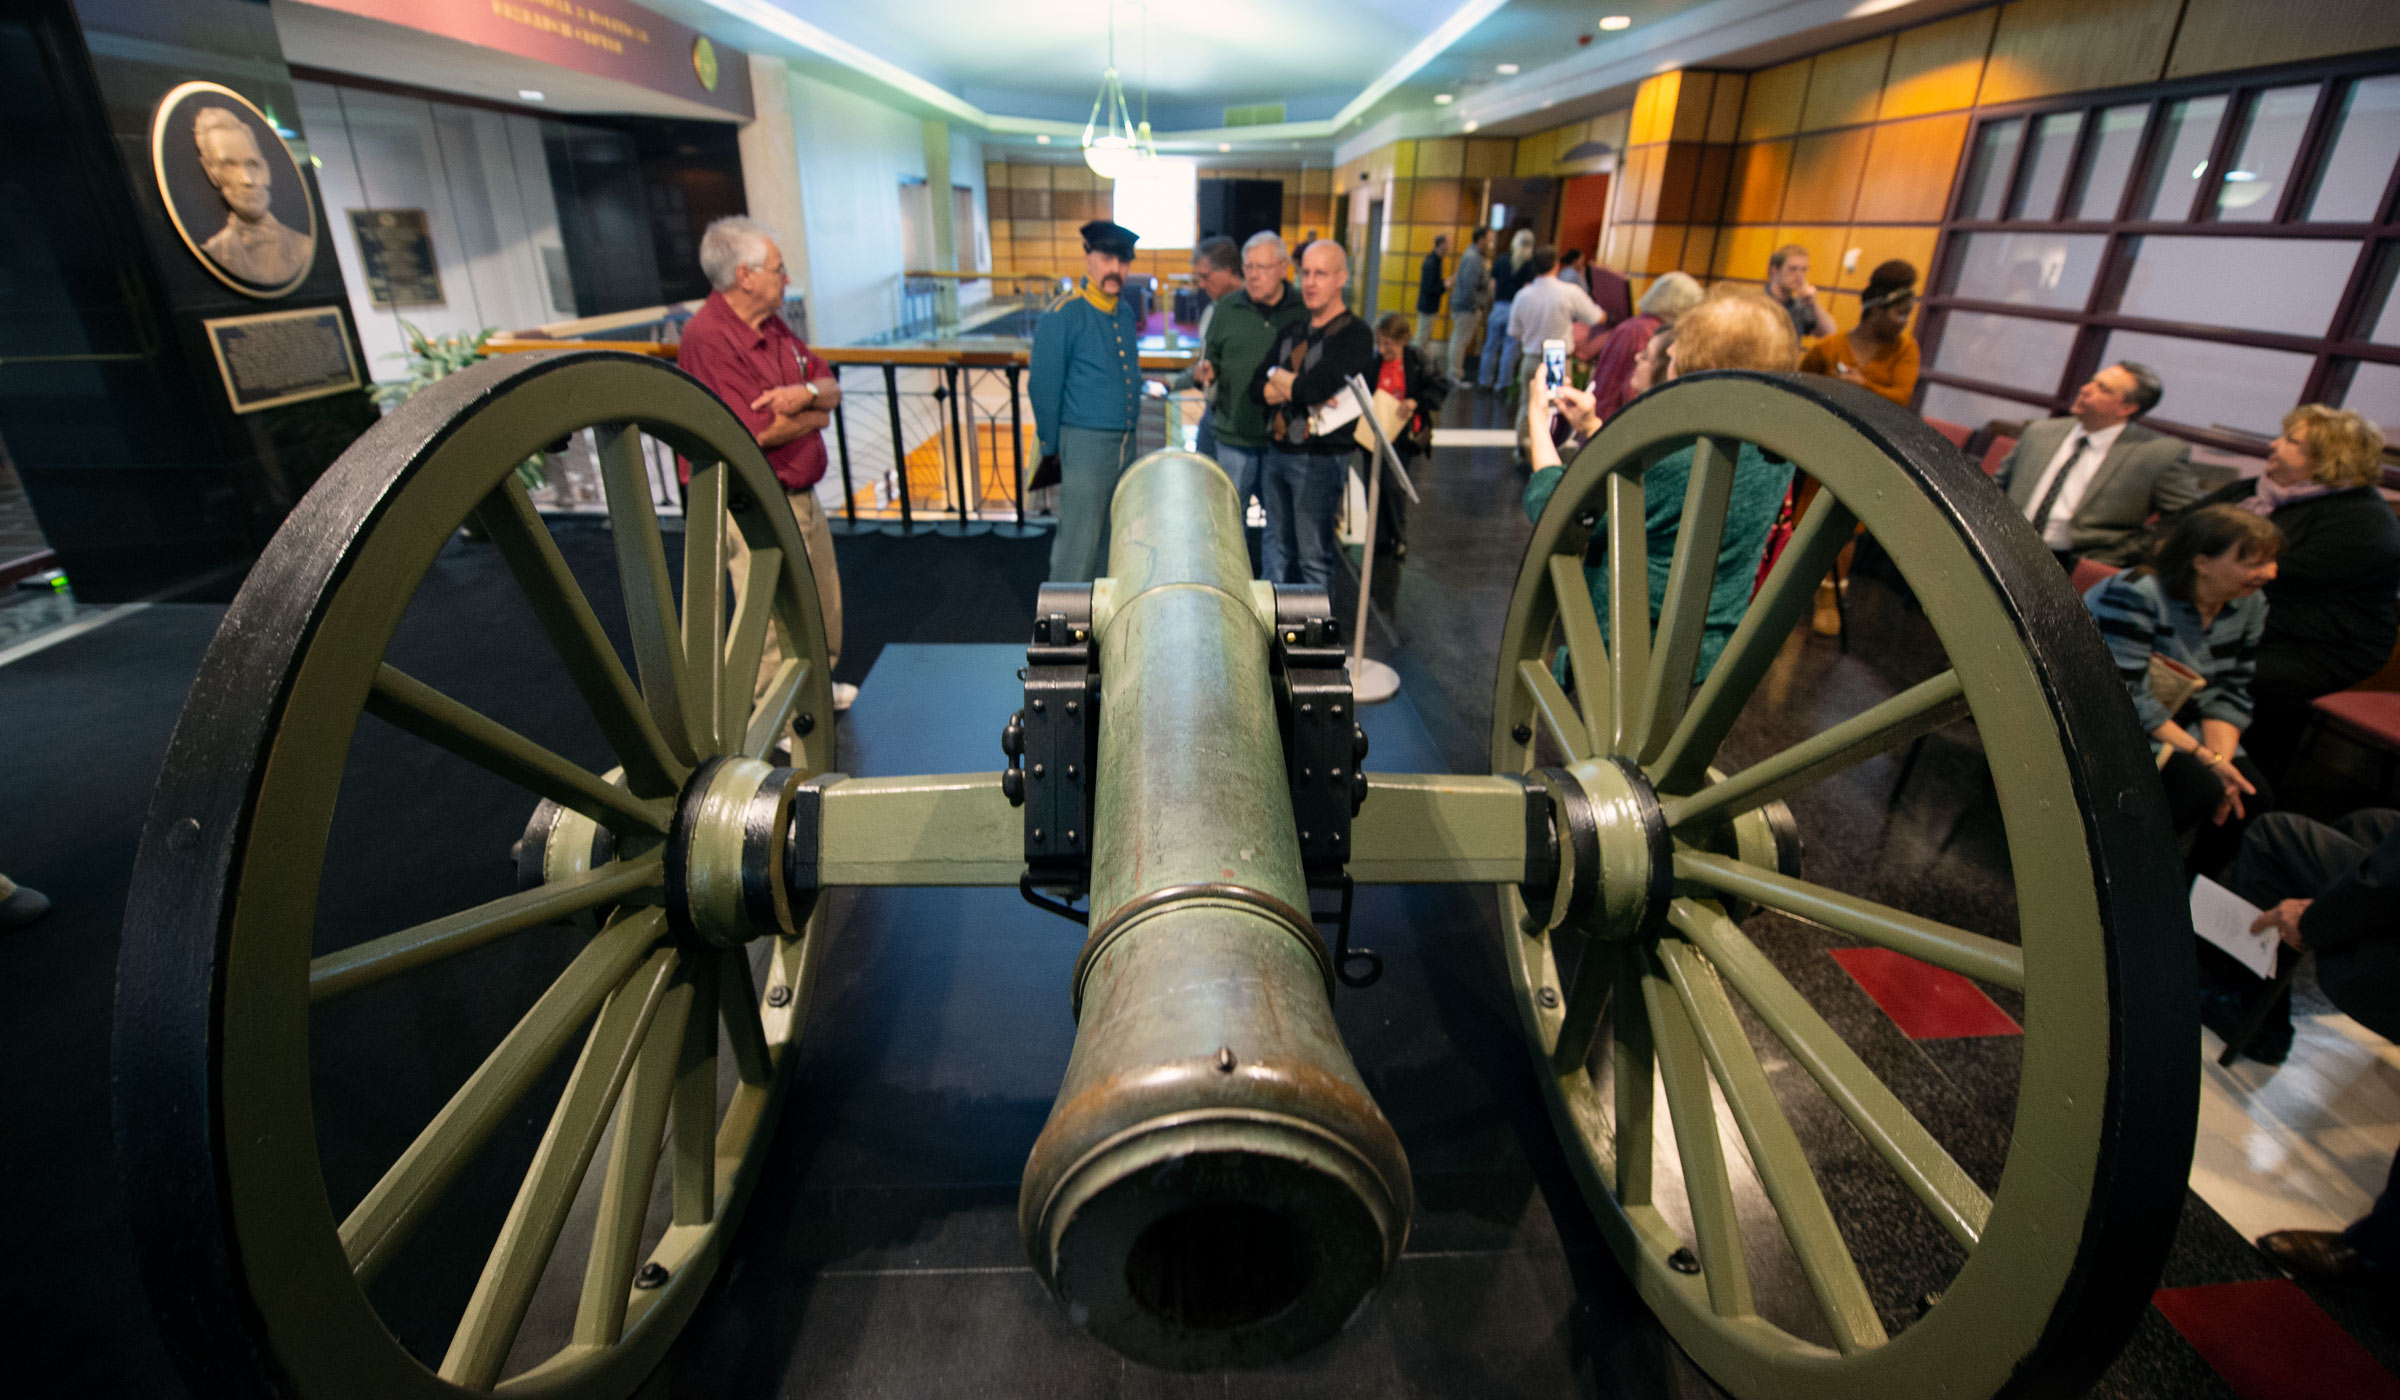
(1331,414)
(2224,918)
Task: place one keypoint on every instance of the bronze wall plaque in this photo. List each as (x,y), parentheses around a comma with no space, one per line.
(281,357)
(396,249)
(232,189)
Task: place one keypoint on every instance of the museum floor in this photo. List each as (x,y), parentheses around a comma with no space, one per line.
(880,1256)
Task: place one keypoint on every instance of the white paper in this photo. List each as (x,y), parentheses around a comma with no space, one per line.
(2224,918)
(1332,413)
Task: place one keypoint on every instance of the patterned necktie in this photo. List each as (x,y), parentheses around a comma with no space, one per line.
(2058,484)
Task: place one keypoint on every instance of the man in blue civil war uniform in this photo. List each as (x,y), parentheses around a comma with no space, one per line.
(1087,390)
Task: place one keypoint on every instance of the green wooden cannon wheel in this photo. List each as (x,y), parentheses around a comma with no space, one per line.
(260,1286)
(2060,1258)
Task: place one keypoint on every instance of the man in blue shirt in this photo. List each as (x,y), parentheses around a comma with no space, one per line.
(1086,389)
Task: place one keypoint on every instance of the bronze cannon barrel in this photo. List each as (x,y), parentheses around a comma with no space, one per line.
(1214,1186)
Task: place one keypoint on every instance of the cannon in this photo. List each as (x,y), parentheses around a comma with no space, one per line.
(1215,1186)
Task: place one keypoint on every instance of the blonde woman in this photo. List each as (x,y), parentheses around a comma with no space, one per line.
(2332,618)
(1500,350)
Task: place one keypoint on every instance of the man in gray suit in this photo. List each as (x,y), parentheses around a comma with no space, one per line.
(2091,481)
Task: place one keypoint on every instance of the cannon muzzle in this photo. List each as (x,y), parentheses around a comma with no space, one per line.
(1215,1186)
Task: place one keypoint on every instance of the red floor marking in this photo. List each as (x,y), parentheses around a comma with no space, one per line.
(1924,1001)
(2271,1342)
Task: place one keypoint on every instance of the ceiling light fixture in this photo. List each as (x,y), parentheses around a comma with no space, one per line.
(1613,23)
(1041,140)
(532,95)
(1224,145)
(1470,126)
(1508,70)
(1110,149)
(1443,99)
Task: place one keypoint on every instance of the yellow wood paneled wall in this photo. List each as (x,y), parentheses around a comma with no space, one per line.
(1428,189)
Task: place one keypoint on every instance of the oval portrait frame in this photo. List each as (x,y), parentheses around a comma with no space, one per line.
(160,122)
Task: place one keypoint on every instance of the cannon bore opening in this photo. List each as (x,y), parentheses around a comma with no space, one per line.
(1220,1265)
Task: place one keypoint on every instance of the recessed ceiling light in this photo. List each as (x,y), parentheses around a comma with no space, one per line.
(1443,99)
(1224,145)
(1616,22)
(1507,69)
(532,95)
(1470,126)
(1041,140)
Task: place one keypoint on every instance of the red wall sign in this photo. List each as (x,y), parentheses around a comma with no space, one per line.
(605,38)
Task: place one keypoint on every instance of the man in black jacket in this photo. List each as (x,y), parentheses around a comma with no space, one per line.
(1429,290)
(1312,417)
(2329,890)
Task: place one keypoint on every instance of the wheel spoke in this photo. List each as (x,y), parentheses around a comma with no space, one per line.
(1691,580)
(704,603)
(516,528)
(480,1346)
(1628,604)
(412,705)
(1557,715)
(382,1221)
(642,572)
(364,964)
(774,713)
(1587,1002)
(1706,1183)
(692,1129)
(1790,588)
(1943,945)
(632,1169)
(1587,650)
(1917,710)
(1632,1069)
(753,617)
(1924,1166)
(744,1029)
(1783,1169)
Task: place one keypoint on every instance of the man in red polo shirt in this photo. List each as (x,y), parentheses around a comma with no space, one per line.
(738,345)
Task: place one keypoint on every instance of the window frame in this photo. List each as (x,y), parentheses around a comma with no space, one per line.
(2333,354)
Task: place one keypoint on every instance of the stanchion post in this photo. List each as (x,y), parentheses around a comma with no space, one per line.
(1373,682)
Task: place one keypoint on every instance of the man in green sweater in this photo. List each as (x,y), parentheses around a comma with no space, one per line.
(1241,330)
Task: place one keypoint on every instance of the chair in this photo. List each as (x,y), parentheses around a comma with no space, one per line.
(2089,573)
(2367,717)
(1997,453)
(1958,433)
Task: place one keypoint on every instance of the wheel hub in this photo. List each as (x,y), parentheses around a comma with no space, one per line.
(725,853)
(1616,859)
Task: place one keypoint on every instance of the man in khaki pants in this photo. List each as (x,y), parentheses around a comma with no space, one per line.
(738,345)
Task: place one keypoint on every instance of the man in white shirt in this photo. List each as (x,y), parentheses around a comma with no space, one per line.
(2091,482)
(1548,309)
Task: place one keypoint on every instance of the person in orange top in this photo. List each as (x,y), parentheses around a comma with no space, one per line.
(1880,354)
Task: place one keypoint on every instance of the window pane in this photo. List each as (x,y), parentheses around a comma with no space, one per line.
(1987,178)
(2364,149)
(2210,384)
(2005,350)
(1973,410)
(2182,162)
(2053,147)
(2030,269)
(2380,316)
(2288,285)
(2113,147)
(2374,395)
(2255,184)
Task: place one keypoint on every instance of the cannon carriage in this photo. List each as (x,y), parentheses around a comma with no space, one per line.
(1215,1186)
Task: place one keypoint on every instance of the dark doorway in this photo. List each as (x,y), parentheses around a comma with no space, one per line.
(1240,208)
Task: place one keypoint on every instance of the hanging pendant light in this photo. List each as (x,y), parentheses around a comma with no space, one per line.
(1110,149)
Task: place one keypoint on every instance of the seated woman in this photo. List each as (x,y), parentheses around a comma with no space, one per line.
(1879,354)
(1613,350)
(2197,605)
(2332,618)
(1409,375)
(1732,329)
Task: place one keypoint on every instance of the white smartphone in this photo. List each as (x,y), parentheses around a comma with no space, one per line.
(1554,362)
